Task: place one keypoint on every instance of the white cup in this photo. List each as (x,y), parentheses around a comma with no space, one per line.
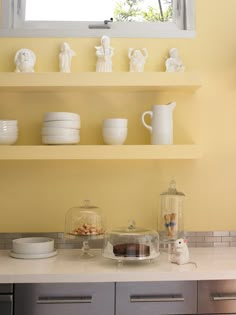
(115,123)
(114,136)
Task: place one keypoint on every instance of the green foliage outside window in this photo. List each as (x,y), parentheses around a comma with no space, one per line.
(131,10)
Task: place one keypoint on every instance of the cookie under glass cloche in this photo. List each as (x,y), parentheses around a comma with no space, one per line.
(85,222)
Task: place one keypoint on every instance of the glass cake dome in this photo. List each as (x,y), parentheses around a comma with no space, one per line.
(131,244)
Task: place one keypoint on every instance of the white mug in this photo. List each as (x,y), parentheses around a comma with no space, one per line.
(115,123)
(161,127)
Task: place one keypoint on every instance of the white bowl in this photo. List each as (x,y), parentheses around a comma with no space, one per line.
(114,135)
(8,123)
(8,139)
(115,123)
(33,245)
(8,132)
(51,116)
(60,139)
(59,131)
(73,124)
(8,129)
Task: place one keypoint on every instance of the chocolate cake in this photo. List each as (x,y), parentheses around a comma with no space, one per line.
(131,250)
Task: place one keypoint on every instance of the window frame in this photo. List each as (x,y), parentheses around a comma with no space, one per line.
(13,24)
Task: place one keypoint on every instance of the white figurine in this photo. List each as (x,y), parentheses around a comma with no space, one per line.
(137,59)
(174,62)
(65,57)
(104,55)
(24,60)
(180,254)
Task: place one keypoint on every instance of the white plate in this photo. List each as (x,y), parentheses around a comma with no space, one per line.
(33,256)
(50,116)
(8,123)
(123,258)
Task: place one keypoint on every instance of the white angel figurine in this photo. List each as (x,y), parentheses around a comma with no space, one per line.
(65,57)
(137,59)
(174,63)
(104,55)
(24,60)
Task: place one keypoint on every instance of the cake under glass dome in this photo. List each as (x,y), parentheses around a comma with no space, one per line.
(131,243)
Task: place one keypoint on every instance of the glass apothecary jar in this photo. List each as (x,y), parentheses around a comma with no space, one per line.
(171,223)
(131,243)
(85,222)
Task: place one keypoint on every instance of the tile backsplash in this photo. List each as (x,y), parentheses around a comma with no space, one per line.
(195,239)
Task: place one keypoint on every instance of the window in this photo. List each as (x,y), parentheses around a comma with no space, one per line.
(115,18)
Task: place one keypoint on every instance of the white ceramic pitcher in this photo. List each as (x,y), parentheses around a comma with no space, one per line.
(161,127)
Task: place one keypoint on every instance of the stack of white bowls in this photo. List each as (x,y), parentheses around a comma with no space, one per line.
(115,130)
(60,128)
(8,131)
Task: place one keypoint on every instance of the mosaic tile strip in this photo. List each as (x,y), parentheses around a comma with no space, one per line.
(195,239)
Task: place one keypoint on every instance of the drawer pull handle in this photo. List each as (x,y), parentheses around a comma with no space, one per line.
(222,297)
(156,298)
(6,298)
(64,300)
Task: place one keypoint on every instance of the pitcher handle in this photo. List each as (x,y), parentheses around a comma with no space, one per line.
(143,119)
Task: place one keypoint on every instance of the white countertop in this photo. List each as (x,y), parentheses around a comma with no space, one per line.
(67,266)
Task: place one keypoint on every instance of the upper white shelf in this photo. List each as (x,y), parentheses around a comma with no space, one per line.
(56,81)
(99,152)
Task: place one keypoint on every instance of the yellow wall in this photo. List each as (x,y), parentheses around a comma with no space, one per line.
(35,195)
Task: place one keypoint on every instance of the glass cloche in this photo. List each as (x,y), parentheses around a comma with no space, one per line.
(86,222)
(171,223)
(131,243)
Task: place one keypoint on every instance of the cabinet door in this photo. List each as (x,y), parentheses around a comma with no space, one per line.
(217,296)
(64,299)
(6,304)
(152,298)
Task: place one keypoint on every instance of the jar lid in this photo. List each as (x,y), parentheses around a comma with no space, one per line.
(172,190)
(87,205)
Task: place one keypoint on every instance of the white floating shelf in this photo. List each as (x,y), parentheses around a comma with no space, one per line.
(99,152)
(56,81)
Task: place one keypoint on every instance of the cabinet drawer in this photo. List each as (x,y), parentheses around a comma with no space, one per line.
(149,298)
(217,296)
(61,299)
(6,288)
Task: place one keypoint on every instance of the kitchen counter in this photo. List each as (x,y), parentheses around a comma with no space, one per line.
(68,266)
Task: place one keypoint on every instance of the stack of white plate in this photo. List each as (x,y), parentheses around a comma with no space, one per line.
(33,248)
(8,131)
(60,128)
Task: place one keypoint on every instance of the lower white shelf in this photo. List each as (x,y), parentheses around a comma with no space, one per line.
(99,152)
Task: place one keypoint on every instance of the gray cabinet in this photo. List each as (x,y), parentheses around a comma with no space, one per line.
(217,297)
(122,298)
(149,298)
(6,299)
(64,299)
